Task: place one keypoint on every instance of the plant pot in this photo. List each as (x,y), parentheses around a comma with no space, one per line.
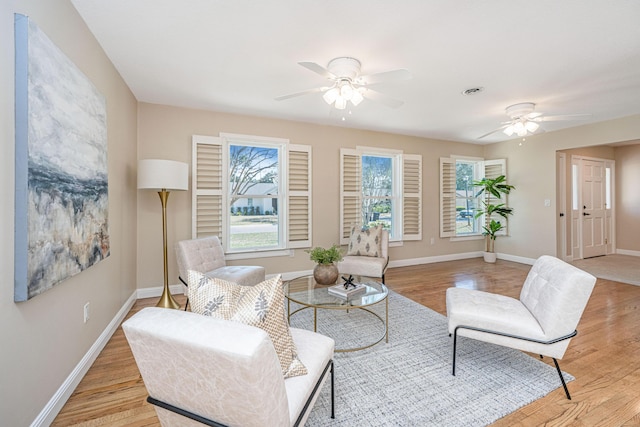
(325,274)
(490,257)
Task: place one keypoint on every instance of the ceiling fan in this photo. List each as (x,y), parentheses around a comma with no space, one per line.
(347,85)
(524,121)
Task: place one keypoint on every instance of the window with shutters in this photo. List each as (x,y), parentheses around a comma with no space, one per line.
(458,202)
(381,187)
(252,192)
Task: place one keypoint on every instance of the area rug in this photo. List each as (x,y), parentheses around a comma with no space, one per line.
(408,381)
(619,268)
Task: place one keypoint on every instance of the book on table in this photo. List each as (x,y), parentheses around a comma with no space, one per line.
(341,291)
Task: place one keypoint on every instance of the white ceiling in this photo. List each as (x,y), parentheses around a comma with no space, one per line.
(568,57)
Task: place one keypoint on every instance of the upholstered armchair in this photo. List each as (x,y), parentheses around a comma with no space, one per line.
(207,256)
(366,256)
(202,370)
(542,321)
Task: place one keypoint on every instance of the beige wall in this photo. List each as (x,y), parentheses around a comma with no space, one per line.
(531,168)
(165,132)
(628,197)
(43,339)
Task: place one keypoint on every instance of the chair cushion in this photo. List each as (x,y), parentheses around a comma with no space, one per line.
(362,266)
(495,312)
(315,351)
(246,275)
(261,305)
(365,242)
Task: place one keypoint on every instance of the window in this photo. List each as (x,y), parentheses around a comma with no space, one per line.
(252,192)
(253,177)
(381,187)
(458,201)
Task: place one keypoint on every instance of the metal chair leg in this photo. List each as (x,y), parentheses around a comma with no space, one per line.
(455,336)
(564,384)
(333,412)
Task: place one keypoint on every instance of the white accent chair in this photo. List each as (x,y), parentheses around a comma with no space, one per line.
(233,377)
(206,256)
(542,321)
(367,265)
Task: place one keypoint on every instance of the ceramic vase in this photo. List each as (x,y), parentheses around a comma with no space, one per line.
(325,274)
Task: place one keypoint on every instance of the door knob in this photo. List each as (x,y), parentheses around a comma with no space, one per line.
(585,214)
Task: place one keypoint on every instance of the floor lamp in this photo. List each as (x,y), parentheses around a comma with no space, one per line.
(163,176)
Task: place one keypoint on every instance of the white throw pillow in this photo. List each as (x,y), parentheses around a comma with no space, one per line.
(261,305)
(365,242)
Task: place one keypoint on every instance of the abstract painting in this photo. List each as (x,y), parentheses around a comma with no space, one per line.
(61,221)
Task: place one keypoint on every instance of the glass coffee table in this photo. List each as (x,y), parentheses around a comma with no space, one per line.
(310,295)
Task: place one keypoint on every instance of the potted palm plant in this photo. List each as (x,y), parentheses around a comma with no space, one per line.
(326,271)
(492,190)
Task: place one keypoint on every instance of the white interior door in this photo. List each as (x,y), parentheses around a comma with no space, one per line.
(592,220)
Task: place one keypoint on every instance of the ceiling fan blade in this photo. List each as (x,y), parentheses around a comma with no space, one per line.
(381,98)
(318,69)
(385,76)
(563,117)
(493,131)
(303,92)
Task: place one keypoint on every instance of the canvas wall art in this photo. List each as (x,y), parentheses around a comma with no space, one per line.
(61,166)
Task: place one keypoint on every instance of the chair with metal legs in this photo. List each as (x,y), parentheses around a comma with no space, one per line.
(542,321)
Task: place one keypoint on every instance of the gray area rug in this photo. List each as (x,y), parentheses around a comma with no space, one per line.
(408,381)
(619,268)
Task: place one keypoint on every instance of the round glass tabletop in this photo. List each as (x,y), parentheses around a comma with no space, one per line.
(304,290)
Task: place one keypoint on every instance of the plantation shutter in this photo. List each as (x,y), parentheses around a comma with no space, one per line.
(412,197)
(447,197)
(492,170)
(299,227)
(207,187)
(350,192)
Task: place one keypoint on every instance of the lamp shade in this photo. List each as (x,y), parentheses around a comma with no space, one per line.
(156,174)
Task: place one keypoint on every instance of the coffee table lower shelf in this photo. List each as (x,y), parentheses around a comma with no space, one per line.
(385,321)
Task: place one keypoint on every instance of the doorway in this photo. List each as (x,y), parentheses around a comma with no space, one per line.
(592,227)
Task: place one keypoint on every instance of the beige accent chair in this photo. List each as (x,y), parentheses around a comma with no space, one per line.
(542,321)
(233,378)
(367,265)
(206,256)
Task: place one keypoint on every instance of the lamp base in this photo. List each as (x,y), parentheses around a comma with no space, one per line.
(167,301)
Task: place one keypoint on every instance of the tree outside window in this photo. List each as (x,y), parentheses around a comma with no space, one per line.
(466,200)
(377,191)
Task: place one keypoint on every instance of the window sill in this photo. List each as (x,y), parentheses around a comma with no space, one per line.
(258,254)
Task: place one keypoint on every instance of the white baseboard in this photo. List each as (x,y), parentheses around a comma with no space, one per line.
(627,252)
(156,291)
(514,258)
(55,404)
(433,259)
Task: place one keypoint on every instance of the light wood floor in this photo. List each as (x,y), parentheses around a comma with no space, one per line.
(604,357)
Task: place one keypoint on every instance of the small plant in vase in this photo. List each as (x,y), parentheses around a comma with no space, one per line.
(325,272)
(492,190)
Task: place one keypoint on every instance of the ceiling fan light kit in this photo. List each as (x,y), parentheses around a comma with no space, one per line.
(524,121)
(348,85)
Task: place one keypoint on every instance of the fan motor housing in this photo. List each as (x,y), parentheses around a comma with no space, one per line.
(520,110)
(344,67)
